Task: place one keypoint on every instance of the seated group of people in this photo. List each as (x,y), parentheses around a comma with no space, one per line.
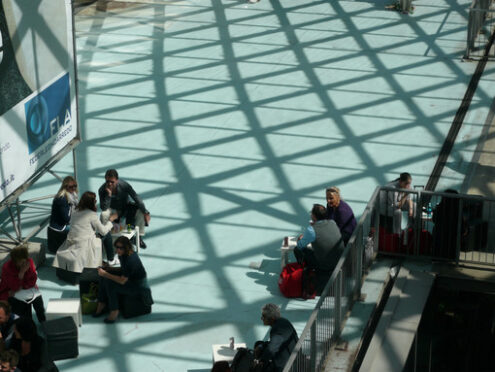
(323,241)
(76,234)
(320,247)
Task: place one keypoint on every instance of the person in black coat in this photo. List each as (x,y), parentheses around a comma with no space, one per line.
(273,354)
(130,279)
(62,206)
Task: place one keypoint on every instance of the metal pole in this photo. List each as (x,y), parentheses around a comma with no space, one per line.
(16,229)
(18,218)
(312,358)
(459,232)
(74,160)
(338,295)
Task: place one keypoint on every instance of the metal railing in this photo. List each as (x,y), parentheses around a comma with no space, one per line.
(480,29)
(343,288)
(442,226)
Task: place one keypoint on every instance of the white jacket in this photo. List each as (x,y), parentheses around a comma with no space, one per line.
(82,248)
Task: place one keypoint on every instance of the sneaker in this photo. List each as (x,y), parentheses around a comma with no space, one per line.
(142,244)
(114,262)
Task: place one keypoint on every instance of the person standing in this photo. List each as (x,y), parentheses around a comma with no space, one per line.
(392,203)
(115,194)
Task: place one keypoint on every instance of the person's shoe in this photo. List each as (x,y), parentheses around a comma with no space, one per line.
(142,244)
(97,315)
(114,262)
(109,321)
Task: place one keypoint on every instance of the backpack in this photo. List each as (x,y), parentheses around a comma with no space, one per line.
(243,360)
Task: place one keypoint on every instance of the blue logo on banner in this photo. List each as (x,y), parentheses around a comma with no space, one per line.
(47,113)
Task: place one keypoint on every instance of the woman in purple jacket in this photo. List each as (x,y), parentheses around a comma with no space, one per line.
(339,211)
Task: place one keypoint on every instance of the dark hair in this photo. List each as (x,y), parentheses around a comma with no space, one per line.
(26,328)
(19,253)
(11,356)
(125,243)
(88,201)
(221,366)
(451,191)
(319,211)
(111,173)
(6,307)
(404,177)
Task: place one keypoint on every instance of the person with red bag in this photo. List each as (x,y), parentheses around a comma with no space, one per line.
(326,247)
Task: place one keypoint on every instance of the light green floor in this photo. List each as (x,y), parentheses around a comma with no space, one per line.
(230,119)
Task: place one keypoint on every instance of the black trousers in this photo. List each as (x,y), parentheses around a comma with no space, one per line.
(108,246)
(108,291)
(22,308)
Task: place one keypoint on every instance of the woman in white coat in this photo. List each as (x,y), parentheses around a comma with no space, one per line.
(82,247)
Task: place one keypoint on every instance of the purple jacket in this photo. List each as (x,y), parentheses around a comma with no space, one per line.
(343,217)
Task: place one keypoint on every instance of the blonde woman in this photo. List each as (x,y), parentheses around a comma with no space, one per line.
(62,207)
(339,211)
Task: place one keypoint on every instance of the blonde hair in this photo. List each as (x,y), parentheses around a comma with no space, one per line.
(62,192)
(333,190)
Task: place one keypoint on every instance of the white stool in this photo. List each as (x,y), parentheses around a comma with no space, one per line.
(60,307)
(224,352)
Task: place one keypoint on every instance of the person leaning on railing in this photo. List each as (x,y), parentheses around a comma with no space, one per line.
(392,203)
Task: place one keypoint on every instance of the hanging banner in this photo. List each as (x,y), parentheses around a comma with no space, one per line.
(38,112)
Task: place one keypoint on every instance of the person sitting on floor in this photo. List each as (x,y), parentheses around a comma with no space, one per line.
(115,195)
(18,284)
(339,211)
(273,354)
(130,279)
(62,207)
(82,248)
(326,246)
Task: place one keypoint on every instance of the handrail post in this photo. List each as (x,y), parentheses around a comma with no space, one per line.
(312,359)
(338,296)
(358,248)
(459,233)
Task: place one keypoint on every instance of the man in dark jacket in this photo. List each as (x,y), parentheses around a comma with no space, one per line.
(116,194)
(321,246)
(274,353)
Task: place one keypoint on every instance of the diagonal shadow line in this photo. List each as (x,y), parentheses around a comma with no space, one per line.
(319,40)
(43,31)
